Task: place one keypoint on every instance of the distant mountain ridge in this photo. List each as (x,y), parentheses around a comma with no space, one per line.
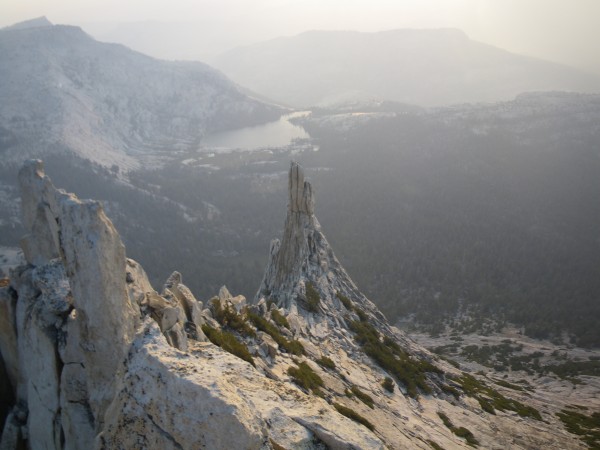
(62,90)
(423,67)
(41,21)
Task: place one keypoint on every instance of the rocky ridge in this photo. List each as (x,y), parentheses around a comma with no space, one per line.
(96,358)
(62,91)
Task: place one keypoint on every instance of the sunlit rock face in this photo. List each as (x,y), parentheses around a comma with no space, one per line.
(73,311)
(76,314)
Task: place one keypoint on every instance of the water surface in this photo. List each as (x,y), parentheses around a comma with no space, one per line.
(271,134)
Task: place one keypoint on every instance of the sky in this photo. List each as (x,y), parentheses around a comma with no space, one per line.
(566,31)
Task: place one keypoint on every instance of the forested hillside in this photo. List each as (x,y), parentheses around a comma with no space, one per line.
(491,211)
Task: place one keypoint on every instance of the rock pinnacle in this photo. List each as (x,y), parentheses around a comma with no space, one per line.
(303,265)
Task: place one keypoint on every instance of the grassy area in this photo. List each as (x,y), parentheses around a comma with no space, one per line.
(388,354)
(228,342)
(305,377)
(326,362)
(345,301)
(313,299)
(576,368)
(451,362)
(279,319)
(461,432)
(513,386)
(229,318)
(586,427)
(491,400)
(502,357)
(388,384)
(435,445)
(351,414)
(291,346)
(365,398)
(362,316)
(450,390)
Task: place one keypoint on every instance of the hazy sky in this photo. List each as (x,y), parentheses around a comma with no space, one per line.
(560,30)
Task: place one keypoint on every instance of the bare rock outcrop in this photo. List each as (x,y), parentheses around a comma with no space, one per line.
(88,239)
(303,274)
(40,211)
(93,257)
(191,307)
(68,318)
(209,399)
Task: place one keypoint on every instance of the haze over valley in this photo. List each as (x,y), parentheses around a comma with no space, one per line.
(421,67)
(456,181)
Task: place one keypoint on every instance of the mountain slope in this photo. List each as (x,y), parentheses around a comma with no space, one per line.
(62,90)
(94,357)
(424,67)
(94,111)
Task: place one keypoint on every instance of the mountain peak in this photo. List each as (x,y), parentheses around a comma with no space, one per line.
(84,90)
(303,274)
(300,192)
(37,22)
(403,65)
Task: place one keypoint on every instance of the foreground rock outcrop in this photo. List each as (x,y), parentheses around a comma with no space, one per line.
(94,357)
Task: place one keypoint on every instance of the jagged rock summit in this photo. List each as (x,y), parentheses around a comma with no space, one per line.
(93,357)
(303,264)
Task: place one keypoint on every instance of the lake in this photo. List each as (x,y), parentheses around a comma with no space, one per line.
(279,133)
